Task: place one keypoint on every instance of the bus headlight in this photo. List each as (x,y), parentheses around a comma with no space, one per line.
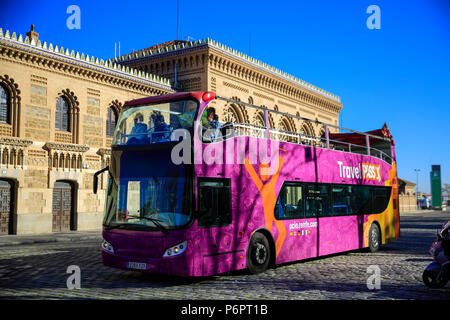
(176,250)
(107,246)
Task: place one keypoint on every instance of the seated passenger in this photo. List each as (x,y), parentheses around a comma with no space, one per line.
(210,124)
(215,123)
(138,134)
(208,118)
(161,131)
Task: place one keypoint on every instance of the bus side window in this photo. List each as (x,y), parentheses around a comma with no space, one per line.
(214,198)
(290,202)
(310,201)
(341,200)
(317,200)
(380,198)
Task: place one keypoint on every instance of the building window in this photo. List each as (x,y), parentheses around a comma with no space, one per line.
(111,121)
(4,105)
(232,115)
(62,115)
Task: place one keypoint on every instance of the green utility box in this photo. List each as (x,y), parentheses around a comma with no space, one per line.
(436,192)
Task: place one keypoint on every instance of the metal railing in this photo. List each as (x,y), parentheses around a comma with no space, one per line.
(251,130)
(246,129)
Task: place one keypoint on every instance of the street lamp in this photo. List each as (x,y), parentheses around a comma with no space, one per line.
(417,186)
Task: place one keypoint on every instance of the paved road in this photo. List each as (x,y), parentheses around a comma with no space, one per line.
(38,271)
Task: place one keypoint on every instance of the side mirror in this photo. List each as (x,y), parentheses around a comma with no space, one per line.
(96,178)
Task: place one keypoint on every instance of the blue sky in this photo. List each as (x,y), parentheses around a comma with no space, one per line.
(399,74)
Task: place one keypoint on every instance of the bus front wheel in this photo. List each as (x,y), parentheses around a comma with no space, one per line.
(258,253)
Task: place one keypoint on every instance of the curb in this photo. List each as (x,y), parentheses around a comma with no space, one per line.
(28,241)
(425,211)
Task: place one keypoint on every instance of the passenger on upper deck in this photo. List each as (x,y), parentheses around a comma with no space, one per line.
(138,134)
(210,123)
(160,131)
(208,118)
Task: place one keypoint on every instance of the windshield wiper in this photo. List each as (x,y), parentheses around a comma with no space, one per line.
(155,221)
(120,225)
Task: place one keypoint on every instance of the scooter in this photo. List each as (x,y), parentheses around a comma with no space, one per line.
(437,274)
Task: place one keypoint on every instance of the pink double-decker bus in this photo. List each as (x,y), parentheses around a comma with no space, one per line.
(189,195)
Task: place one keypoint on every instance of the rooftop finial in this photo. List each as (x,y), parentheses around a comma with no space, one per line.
(33,34)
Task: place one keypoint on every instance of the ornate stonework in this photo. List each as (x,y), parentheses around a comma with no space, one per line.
(230,73)
(34,73)
(12,128)
(33,154)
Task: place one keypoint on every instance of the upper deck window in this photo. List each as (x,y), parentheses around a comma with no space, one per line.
(154,123)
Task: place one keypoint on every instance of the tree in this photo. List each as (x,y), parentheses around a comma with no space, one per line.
(446,189)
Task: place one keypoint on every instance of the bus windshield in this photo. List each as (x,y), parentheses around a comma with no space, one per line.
(155,202)
(140,195)
(149,124)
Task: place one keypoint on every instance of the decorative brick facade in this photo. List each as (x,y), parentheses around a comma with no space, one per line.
(36,158)
(33,154)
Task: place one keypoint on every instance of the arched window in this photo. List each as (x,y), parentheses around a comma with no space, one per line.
(4,105)
(111,121)
(307,130)
(259,120)
(62,118)
(285,126)
(232,115)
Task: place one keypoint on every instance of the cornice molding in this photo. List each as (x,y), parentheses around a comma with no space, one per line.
(278,85)
(55,146)
(82,65)
(16,142)
(283,91)
(211,44)
(104,152)
(78,73)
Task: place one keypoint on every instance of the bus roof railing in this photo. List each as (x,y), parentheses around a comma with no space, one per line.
(301,118)
(328,143)
(245,129)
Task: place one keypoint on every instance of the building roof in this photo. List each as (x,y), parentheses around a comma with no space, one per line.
(162,45)
(179,46)
(60,53)
(358,139)
(406,182)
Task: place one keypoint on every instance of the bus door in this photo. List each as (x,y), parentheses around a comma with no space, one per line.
(297,207)
(214,220)
(317,204)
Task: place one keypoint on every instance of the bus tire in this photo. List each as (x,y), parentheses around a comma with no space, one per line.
(258,253)
(374,238)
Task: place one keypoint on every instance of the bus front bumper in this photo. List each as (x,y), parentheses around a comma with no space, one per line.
(177,265)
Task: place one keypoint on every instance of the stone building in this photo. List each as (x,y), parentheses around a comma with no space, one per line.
(58,108)
(407,195)
(210,66)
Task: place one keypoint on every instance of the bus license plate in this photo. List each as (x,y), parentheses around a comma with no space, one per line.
(137,265)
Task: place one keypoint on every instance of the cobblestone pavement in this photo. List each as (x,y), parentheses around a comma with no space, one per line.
(38,271)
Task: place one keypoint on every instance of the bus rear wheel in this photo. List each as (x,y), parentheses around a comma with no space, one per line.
(258,253)
(374,238)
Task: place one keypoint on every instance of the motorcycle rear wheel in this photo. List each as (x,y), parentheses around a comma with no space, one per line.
(429,278)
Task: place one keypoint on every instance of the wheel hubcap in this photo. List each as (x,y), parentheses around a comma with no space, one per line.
(260,253)
(374,237)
